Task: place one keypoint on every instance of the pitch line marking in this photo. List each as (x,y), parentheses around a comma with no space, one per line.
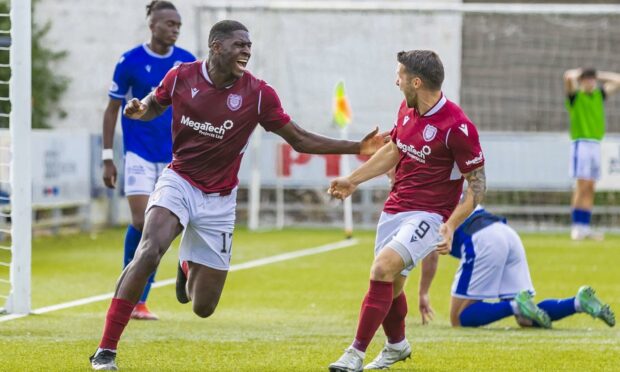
(161,283)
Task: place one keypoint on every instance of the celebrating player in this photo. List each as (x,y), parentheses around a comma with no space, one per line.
(493,266)
(434,148)
(147,145)
(216,104)
(585,104)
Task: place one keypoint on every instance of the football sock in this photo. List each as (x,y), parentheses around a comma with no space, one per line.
(558,309)
(483,313)
(394,322)
(581,216)
(115,321)
(132,240)
(375,307)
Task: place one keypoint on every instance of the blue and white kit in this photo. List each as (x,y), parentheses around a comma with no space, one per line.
(493,262)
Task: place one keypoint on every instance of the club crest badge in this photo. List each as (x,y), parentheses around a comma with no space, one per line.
(234,102)
(429,132)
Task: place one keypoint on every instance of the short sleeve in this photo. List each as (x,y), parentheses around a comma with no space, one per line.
(271,115)
(121,80)
(163,92)
(464,143)
(394,132)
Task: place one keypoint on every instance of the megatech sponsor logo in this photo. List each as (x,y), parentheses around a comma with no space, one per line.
(412,152)
(477,160)
(206,128)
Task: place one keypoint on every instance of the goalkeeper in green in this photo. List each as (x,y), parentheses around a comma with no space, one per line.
(586,91)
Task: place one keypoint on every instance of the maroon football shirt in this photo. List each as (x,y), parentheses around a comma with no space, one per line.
(211,127)
(435,150)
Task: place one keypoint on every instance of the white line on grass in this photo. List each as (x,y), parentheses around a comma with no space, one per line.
(161,283)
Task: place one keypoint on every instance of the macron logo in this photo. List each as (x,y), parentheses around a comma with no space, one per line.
(463,128)
(405,120)
(194,92)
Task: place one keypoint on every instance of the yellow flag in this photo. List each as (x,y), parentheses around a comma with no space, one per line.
(341,109)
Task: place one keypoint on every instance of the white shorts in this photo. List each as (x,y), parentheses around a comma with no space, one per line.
(208,219)
(493,265)
(413,235)
(586,160)
(141,175)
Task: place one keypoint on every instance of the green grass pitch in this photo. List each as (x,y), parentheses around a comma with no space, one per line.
(299,315)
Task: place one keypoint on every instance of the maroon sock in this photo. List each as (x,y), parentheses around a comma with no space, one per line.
(394,322)
(375,306)
(115,322)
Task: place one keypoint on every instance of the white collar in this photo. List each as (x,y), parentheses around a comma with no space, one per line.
(150,52)
(205,73)
(442,101)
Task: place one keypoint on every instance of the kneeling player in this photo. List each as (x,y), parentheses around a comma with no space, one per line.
(494,266)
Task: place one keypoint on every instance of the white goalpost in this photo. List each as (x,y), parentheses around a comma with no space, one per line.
(19,183)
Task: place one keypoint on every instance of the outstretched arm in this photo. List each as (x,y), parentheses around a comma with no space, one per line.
(476,187)
(145,110)
(385,159)
(570,80)
(610,80)
(312,143)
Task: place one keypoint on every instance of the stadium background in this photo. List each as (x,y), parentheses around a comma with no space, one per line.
(505,68)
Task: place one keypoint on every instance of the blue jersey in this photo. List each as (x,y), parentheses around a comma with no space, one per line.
(137,73)
(474,223)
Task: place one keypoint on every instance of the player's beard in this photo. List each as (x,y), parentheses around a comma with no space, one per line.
(412,100)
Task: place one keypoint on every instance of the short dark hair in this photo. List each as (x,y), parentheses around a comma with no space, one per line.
(424,64)
(158,5)
(224,29)
(587,73)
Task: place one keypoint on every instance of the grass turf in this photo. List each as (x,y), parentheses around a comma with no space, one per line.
(299,315)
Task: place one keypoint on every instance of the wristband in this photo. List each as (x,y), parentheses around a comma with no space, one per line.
(107,154)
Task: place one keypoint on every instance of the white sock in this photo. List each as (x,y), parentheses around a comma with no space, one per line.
(100,350)
(577,305)
(399,345)
(515,307)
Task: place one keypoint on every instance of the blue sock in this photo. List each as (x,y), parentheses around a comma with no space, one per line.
(483,313)
(581,216)
(558,309)
(132,239)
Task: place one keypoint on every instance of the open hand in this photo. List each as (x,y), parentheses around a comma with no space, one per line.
(373,142)
(109,174)
(426,311)
(135,109)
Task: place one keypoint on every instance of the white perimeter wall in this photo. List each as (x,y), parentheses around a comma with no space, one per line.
(294,53)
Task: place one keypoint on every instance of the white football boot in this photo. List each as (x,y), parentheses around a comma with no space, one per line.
(388,356)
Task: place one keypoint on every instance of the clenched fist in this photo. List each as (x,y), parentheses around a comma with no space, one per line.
(135,109)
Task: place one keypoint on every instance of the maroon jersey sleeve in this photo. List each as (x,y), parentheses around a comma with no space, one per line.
(402,110)
(271,115)
(394,132)
(464,144)
(163,93)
